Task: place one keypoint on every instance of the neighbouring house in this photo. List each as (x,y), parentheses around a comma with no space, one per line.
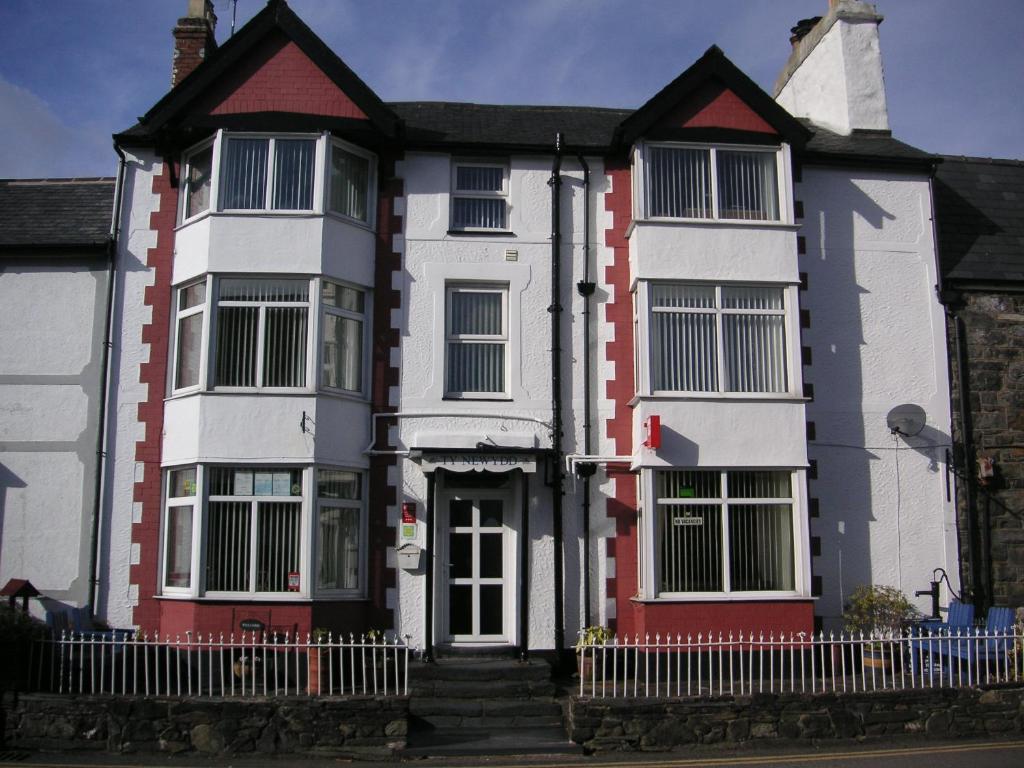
(55,288)
(980,214)
(484,375)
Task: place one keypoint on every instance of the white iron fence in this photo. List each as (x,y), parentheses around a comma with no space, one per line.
(204,665)
(744,664)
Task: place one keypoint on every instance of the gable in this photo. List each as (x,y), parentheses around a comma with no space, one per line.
(277,76)
(715,106)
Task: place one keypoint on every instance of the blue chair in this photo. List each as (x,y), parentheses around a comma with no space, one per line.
(970,654)
(959,621)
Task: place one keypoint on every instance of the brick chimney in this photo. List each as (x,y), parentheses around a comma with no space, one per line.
(193,39)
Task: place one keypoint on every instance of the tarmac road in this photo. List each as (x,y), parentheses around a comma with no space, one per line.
(960,754)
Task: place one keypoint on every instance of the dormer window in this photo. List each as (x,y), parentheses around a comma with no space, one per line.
(689,182)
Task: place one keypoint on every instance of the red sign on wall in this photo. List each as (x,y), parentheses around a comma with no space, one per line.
(408,512)
(652,432)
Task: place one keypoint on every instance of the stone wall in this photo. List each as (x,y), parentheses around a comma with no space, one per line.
(651,725)
(994,338)
(359,727)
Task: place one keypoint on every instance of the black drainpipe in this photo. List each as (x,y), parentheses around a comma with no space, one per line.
(557,478)
(101,432)
(586,288)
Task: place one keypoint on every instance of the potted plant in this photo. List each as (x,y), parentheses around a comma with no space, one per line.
(589,637)
(877,611)
(317,638)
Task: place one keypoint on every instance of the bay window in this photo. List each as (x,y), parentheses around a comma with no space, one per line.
(707,338)
(724,531)
(479,196)
(351,182)
(261,332)
(189,335)
(272,173)
(476,339)
(246,530)
(198,181)
(684,182)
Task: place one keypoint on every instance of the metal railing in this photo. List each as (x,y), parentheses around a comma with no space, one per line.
(712,666)
(249,664)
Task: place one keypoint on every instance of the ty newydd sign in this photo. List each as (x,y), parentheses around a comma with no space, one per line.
(478,462)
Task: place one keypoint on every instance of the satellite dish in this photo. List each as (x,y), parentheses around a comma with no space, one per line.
(906,420)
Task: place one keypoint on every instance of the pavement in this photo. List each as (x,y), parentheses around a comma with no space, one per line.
(917,754)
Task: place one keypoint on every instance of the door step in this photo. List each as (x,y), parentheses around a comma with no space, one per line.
(490,741)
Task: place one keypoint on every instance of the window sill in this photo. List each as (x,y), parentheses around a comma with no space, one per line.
(723,597)
(717,397)
(291,597)
(717,223)
(480,233)
(341,217)
(474,399)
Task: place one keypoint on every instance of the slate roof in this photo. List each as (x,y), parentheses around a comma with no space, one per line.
(862,146)
(499,126)
(979,206)
(55,214)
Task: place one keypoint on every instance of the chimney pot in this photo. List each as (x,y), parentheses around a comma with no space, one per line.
(802,28)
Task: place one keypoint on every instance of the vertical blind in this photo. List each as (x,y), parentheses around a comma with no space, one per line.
(350,178)
(277,544)
(293,174)
(679,183)
(476,364)
(695,508)
(244,183)
(687,342)
(484,206)
(747,185)
(249,313)
(227,546)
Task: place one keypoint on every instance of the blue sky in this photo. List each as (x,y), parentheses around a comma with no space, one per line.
(72,72)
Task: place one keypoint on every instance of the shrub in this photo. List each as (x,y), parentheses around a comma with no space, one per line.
(872,607)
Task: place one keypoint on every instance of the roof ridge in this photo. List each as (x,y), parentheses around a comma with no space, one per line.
(59,180)
(510,106)
(985,160)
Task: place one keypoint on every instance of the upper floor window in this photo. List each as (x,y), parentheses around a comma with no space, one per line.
(711,183)
(707,338)
(272,174)
(476,339)
(342,358)
(198,181)
(350,182)
(479,196)
(261,332)
(189,340)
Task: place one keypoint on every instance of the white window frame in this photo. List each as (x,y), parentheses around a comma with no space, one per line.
(317,182)
(645,339)
(503,194)
(503,339)
(362,317)
(186,168)
(782,182)
(312,357)
(204,345)
(650,576)
(359,591)
(304,533)
(371,183)
(193,501)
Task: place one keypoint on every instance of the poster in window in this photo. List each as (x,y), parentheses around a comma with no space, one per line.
(263,484)
(293,581)
(243,482)
(282,484)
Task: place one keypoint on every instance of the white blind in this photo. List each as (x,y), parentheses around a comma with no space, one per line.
(754,339)
(679,183)
(476,367)
(293,174)
(761,534)
(244,183)
(277,544)
(747,185)
(350,177)
(227,546)
(482,204)
(684,343)
(475,178)
(476,364)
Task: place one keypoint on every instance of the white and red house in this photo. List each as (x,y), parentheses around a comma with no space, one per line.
(485,375)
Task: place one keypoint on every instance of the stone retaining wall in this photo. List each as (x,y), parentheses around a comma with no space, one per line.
(656,725)
(360,727)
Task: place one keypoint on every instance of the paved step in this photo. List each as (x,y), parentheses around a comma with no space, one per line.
(485,713)
(479,669)
(490,741)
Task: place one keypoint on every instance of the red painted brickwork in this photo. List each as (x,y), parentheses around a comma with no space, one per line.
(384,376)
(345,617)
(146,533)
(278,77)
(782,616)
(714,106)
(620,390)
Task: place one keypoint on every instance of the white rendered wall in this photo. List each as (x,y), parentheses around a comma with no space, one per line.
(878,340)
(124,429)
(432,257)
(51,327)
